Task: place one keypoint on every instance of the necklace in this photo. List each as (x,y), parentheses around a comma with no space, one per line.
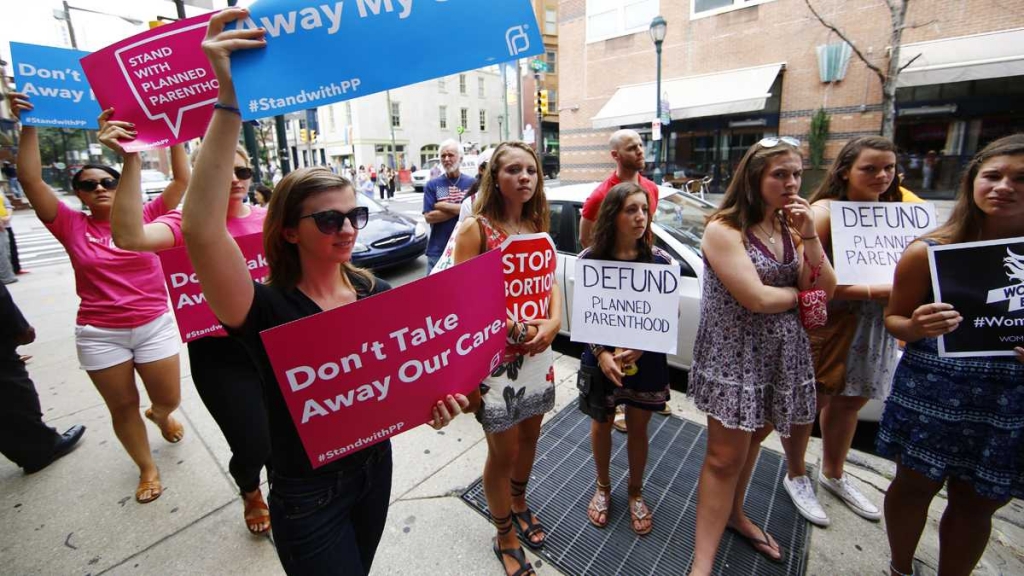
(450,182)
(519,227)
(771,237)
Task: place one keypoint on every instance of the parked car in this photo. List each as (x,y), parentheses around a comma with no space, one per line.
(154,182)
(389,238)
(422,176)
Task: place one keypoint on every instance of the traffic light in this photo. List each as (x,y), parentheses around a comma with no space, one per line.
(303,135)
(312,135)
(542,101)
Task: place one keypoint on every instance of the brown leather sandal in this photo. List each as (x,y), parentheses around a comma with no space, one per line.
(174,431)
(600,503)
(154,487)
(638,512)
(256,513)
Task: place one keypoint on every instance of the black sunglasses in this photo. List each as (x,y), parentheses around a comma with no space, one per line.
(92,185)
(243,173)
(330,221)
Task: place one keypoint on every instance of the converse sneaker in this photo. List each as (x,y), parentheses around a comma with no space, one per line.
(845,491)
(802,493)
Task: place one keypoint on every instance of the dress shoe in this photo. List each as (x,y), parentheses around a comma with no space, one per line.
(66,444)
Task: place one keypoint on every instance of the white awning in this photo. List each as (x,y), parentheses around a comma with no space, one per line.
(729,92)
(977,57)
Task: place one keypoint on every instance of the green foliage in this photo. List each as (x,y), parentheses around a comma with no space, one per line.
(818,137)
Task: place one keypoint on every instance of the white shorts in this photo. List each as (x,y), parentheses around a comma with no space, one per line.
(100,348)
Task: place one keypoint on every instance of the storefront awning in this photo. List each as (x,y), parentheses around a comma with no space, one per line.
(729,92)
(977,57)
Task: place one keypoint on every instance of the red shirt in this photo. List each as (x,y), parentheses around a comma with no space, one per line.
(593,204)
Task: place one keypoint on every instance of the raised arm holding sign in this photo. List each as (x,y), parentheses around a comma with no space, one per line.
(54,79)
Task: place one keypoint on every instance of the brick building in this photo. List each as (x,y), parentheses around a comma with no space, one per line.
(734,71)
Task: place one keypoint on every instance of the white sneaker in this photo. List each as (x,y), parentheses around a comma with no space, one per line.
(802,492)
(845,491)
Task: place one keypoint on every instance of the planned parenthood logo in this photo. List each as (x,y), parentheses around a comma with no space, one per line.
(517,40)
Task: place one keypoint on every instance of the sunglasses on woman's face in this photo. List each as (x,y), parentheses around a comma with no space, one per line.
(92,185)
(243,173)
(330,221)
(772,142)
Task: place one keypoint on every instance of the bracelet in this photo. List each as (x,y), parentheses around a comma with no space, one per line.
(226,108)
(815,237)
(596,350)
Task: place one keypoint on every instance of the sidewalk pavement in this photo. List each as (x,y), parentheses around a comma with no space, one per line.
(79,517)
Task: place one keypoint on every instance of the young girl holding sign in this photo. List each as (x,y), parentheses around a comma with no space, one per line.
(511,403)
(955,419)
(622,233)
(123,324)
(328,520)
(752,368)
(224,375)
(854,356)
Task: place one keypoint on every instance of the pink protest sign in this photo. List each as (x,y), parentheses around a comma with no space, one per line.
(359,374)
(160,80)
(529,263)
(195,319)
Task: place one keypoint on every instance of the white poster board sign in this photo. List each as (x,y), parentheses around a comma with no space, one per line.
(626,304)
(868,238)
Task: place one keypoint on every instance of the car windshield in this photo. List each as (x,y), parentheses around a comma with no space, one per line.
(152,176)
(364,200)
(683,217)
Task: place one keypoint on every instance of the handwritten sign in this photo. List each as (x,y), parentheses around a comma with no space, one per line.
(626,304)
(297,31)
(359,374)
(195,319)
(868,238)
(984,281)
(54,81)
(160,80)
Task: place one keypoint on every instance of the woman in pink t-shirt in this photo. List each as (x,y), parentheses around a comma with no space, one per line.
(224,375)
(123,324)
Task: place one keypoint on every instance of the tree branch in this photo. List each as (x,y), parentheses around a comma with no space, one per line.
(844,38)
(922,25)
(909,62)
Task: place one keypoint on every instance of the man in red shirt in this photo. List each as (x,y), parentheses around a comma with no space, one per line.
(628,152)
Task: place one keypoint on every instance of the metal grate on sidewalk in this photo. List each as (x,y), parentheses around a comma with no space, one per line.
(563,483)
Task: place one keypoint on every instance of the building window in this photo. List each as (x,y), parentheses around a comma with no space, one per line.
(480,88)
(442,114)
(348,113)
(551,61)
(703,8)
(550,21)
(396,115)
(464,118)
(611,18)
(483,120)
(462,84)
(442,85)
(330,119)
(552,101)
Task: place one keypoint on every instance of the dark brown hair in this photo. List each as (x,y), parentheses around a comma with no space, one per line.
(78,175)
(606,230)
(743,206)
(489,202)
(833,187)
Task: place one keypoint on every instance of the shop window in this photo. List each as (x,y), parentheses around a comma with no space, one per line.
(612,18)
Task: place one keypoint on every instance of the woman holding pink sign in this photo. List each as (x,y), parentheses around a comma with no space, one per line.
(512,401)
(224,375)
(123,324)
(327,520)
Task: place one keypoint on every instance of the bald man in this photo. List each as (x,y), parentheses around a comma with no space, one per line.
(627,151)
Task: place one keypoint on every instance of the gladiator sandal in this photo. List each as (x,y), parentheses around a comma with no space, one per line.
(533,526)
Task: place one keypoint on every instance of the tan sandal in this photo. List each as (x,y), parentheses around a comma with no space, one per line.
(154,487)
(256,513)
(638,512)
(600,503)
(174,431)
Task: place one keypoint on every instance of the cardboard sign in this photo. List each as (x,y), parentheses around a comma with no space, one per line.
(195,319)
(361,373)
(868,238)
(626,304)
(160,80)
(296,70)
(54,81)
(984,281)
(529,263)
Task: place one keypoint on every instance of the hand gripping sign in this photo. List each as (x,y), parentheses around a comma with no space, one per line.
(160,80)
(53,79)
(195,319)
(298,32)
(359,374)
(529,262)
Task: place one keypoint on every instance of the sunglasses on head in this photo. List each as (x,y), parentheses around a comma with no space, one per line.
(92,185)
(772,142)
(330,221)
(243,173)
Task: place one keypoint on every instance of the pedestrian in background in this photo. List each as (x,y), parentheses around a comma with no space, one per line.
(124,325)
(442,199)
(382,182)
(761,249)
(262,192)
(392,182)
(7,273)
(957,422)
(11,173)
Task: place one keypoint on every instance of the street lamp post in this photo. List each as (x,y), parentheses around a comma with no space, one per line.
(657,31)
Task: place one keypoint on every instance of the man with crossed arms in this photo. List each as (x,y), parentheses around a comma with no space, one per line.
(442,197)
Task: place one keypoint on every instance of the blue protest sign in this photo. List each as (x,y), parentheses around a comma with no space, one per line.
(322,52)
(53,79)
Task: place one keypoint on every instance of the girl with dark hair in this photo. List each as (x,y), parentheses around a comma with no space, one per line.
(752,368)
(854,356)
(957,422)
(512,401)
(640,379)
(124,325)
(263,193)
(327,520)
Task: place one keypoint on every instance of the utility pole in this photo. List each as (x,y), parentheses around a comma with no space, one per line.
(504,100)
(391,124)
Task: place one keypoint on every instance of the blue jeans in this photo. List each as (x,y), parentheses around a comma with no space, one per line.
(431,260)
(332,524)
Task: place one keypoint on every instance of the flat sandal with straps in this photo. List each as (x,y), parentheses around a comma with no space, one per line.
(527,516)
(504,526)
(601,503)
(638,512)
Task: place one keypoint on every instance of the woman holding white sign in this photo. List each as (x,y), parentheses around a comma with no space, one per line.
(123,324)
(954,419)
(854,356)
(752,369)
(640,380)
(511,403)
(327,520)
(224,375)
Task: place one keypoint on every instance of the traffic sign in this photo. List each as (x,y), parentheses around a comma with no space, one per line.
(460,130)
(538,65)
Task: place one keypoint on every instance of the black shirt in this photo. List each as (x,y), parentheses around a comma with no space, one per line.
(272,307)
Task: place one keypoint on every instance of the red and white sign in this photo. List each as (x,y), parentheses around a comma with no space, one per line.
(362,373)
(529,262)
(195,319)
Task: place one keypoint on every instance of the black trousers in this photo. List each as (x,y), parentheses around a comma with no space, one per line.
(24,439)
(15,263)
(229,385)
